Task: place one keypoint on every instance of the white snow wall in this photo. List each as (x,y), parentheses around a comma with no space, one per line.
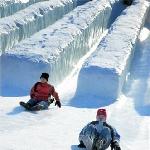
(105,71)
(9,7)
(26,22)
(57,48)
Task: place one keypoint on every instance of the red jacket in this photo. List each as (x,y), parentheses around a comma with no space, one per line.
(41,91)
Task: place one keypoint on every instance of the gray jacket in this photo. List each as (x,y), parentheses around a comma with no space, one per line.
(98,135)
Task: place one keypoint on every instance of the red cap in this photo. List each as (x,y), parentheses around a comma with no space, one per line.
(101,111)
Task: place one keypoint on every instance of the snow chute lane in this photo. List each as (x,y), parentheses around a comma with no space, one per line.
(9,7)
(57,48)
(117,7)
(104,72)
(138,81)
(30,20)
(148,20)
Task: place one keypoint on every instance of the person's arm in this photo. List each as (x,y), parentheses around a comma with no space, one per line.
(33,90)
(115,140)
(55,95)
(87,128)
(115,137)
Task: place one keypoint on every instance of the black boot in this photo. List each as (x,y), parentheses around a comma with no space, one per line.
(25,105)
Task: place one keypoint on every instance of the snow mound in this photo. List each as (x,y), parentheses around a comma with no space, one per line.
(104,72)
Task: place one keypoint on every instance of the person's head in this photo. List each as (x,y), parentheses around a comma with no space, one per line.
(101,115)
(44,77)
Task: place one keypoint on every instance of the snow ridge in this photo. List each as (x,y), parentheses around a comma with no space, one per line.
(30,20)
(9,7)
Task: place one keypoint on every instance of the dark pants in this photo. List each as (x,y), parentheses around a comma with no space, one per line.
(34,102)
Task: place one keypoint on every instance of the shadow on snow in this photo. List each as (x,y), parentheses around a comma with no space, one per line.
(17,110)
(138,84)
(89,102)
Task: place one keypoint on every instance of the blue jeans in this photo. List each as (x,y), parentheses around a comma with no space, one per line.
(34,102)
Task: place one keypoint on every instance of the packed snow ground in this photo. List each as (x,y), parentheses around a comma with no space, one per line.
(58,129)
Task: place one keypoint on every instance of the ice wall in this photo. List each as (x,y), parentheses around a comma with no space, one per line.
(30,20)
(9,7)
(104,72)
(57,48)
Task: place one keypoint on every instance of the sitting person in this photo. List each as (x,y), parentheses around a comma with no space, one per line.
(41,94)
(98,135)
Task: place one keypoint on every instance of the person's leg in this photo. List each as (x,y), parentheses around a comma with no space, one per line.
(85,142)
(88,142)
(32,102)
(29,104)
(43,104)
(103,140)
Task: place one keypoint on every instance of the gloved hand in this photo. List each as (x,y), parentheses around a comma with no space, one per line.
(58,104)
(115,146)
(50,100)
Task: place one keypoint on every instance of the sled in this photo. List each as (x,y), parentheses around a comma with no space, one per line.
(37,107)
(34,108)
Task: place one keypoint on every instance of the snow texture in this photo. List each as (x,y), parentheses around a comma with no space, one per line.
(110,62)
(30,20)
(57,48)
(9,7)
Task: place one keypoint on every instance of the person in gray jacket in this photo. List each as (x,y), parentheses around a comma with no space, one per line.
(99,135)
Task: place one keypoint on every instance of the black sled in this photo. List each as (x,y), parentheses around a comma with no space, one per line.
(37,107)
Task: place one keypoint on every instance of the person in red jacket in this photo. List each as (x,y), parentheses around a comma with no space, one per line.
(41,94)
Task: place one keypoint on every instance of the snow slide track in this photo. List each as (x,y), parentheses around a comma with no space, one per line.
(109,64)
